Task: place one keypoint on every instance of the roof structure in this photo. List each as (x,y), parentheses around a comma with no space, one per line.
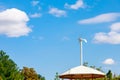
(82,72)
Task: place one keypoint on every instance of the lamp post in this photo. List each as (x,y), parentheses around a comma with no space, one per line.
(81,50)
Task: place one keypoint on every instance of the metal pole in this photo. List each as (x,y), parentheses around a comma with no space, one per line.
(81,55)
(81,50)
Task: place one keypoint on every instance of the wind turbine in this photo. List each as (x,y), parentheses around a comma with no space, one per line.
(82,72)
(81,51)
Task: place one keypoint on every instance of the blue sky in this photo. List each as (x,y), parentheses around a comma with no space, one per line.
(43,34)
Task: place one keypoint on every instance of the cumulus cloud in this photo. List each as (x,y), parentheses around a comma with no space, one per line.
(57,12)
(76,6)
(108,17)
(109,61)
(34,3)
(13,23)
(112,37)
(35,15)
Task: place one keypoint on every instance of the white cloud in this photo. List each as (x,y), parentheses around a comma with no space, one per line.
(76,6)
(34,3)
(57,12)
(35,15)
(108,17)
(109,61)
(112,37)
(13,23)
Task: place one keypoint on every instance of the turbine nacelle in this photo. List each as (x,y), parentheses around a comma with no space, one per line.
(81,39)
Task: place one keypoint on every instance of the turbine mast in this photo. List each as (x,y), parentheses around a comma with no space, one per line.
(81,50)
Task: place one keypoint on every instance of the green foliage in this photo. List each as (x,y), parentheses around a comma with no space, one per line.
(30,74)
(85,64)
(8,69)
(56,76)
(109,75)
(41,77)
(94,67)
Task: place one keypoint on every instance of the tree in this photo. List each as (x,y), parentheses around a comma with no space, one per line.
(85,64)
(57,76)
(30,74)
(94,67)
(8,69)
(109,75)
(41,77)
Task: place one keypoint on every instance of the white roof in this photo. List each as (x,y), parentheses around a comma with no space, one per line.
(82,70)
